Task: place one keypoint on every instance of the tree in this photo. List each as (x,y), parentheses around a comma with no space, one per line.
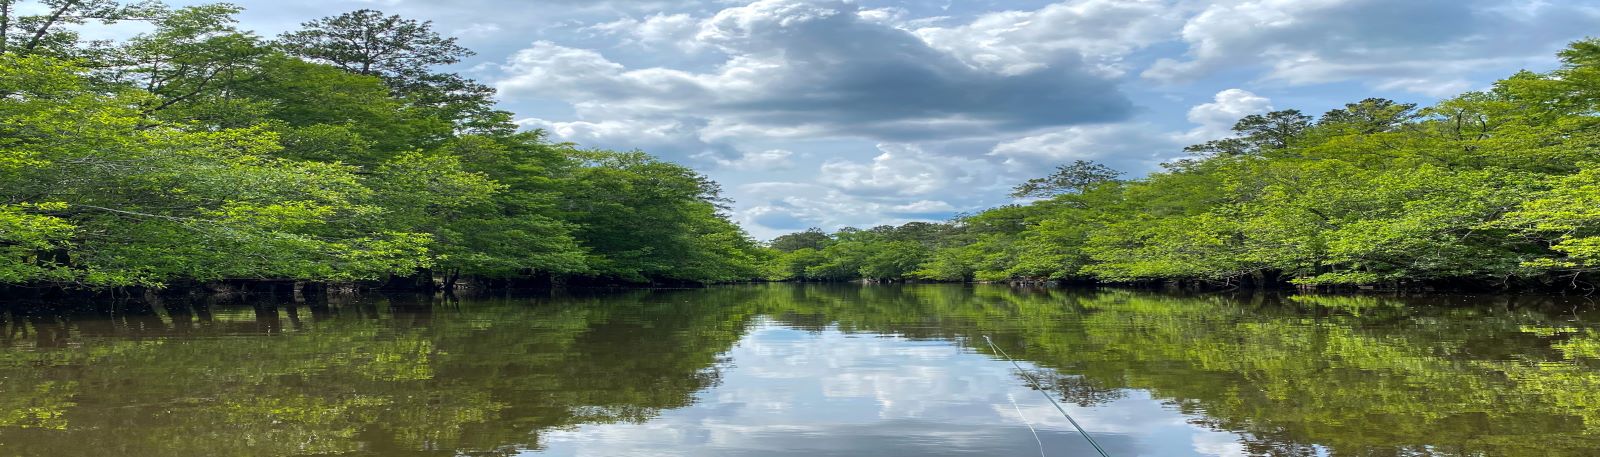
(1566,218)
(1369,116)
(194,56)
(400,51)
(51,33)
(812,238)
(105,197)
(403,53)
(1257,134)
(1077,177)
(518,233)
(643,219)
(326,114)
(196,152)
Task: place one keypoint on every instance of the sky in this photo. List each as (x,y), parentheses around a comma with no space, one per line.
(831,113)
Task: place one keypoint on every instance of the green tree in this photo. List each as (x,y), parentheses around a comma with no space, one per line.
(403,53)
(1077,177)
(643,219)
(51,33)
(118,200)
(812,238)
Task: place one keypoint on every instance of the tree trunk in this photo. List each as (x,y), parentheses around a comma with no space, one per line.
(5,23)
(418,281)
(450,279)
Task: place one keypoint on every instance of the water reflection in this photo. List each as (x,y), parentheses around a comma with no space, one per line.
(829,393)
(802,370)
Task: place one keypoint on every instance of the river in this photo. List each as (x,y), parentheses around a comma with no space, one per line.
(804,370)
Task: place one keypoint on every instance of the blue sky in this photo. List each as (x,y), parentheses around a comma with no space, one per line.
(834,113)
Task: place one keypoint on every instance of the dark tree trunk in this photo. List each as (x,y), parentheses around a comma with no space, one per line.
(314,292)
(418,281)
(451,278)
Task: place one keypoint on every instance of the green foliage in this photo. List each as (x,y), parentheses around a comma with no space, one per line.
(1077,177)
(51,31)
(1492,187)
(1567,218)
(812,238)
(366,42)
(643,218)
(199,152)
(403,54)
(113,198)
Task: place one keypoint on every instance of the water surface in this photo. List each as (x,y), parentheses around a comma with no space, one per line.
(794,370)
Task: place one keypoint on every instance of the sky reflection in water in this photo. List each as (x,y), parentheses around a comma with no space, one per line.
(788,392)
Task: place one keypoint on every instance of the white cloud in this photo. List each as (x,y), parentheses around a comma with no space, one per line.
(904,170)
(923,207)
(768,160)
(783,207)
(1416,45)
(656,30)
(628,134)
(890,15)
(902,184)
(1133,146)
(810,68)
(477,29)
(1216,119)
(584,75)
(1102,31)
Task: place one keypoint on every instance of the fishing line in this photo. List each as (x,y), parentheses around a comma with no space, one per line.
(1025,422)
(1047,396)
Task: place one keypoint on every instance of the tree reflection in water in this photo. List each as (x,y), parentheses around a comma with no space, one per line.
(1293,375)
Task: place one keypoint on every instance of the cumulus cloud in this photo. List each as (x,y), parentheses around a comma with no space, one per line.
(902,169)
(933,209)
(768,160)
(1101,31)
(656,30)
(681,135)
(902,184)
(1215,119)
(906,183)
(781,207)
(1132,146)
(821,68)
(1423,46)
(477,29)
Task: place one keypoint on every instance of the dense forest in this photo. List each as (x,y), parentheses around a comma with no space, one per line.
(344,152)
(1496,188)
(341,152)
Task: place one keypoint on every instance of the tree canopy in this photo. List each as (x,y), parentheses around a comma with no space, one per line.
(1495,187)
(197,151)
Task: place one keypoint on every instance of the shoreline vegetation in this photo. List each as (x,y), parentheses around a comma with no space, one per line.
(1491,190)
(199,156)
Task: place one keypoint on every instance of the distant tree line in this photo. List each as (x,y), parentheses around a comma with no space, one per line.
(340,152)
(1493,188)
